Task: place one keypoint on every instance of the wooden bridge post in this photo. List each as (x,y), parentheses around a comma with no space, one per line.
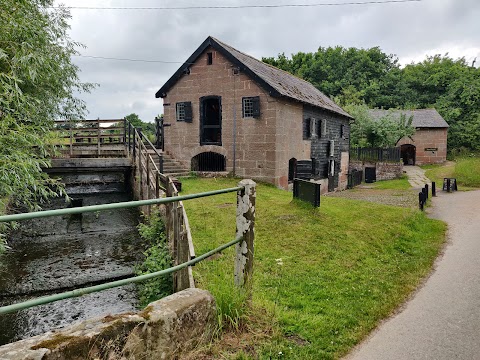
(148,181)
(98,137)
(71,139)
(245,228)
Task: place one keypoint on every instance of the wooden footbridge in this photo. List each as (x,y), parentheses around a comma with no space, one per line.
(112,155)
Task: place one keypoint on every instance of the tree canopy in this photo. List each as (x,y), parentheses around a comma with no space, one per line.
(148,129)
(384,132)
(37,85)
(372,77)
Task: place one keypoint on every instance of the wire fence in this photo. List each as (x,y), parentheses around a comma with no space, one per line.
(376,154)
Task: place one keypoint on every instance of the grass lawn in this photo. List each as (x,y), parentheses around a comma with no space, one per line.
(323,278)
(396,184)
(466,170)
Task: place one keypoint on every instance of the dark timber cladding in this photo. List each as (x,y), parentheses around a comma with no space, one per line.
(330,127)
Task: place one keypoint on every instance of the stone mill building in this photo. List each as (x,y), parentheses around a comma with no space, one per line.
(229,112)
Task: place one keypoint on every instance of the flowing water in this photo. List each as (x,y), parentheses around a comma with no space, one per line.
(55,254)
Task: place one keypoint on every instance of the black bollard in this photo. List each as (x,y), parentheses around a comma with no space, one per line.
(448,185)
(420,200)
(426,191)
(434,190)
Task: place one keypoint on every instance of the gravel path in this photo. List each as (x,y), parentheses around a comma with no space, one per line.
(402,198)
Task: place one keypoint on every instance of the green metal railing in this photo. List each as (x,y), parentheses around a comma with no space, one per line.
(87,290)
(120,205)
(79,292)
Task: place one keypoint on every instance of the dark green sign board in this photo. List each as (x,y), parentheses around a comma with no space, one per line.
(307,191)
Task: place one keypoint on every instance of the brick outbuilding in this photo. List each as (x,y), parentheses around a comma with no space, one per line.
(429,143)
(228,111)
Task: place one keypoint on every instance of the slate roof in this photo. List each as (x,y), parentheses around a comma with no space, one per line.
(422,118)
(277,82)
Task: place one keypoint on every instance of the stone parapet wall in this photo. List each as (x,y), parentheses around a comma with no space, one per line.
(165,329)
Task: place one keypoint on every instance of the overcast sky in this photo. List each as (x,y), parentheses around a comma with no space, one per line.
(410,30)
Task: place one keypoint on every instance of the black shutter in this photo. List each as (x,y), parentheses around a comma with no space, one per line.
(306,129)
(318,127)
(342,131)
(188,111)
(256,106)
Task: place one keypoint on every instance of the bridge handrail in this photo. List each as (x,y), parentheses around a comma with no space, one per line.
(93,135)
(91,289)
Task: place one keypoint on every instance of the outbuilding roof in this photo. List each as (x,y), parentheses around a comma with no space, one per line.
(277,82)
(422,118)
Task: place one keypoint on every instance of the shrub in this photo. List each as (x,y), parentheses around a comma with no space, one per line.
(157,257)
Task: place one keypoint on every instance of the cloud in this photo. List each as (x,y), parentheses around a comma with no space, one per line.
(409,30)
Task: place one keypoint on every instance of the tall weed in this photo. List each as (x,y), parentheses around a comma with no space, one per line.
(157,257)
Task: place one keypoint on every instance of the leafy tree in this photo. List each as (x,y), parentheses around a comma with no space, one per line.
(384,132)
(134,120)
(37,83)
(371,77)
(348,74)
(453,88)
(147,128)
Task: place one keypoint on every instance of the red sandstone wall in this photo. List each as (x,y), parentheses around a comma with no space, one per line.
(263,145)
(428,138)
(289,141)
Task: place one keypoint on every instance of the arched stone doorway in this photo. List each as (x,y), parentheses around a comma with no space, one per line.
(408,153)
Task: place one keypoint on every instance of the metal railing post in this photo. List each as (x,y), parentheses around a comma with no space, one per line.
(244,250)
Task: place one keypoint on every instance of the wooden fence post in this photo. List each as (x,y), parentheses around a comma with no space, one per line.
(183,253)
(245,228)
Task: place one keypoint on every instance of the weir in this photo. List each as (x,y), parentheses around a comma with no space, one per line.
(60,253)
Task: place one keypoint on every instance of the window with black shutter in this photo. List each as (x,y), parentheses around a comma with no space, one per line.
(256,106)
(306,129)
(318,128)
(184,111)
(342,131)
(312,128)
(251,107)
(188,112)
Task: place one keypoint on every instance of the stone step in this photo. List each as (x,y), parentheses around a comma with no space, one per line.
(175,171)
(179,174)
